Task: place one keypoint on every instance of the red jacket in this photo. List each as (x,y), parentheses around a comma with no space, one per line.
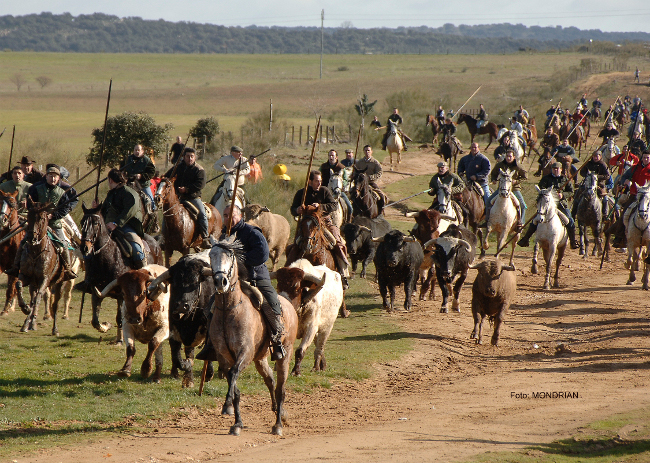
(640,175)
(619,160)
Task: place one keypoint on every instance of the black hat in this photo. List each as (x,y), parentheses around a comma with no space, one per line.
(27,160)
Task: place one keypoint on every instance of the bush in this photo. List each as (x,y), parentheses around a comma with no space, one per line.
(208,127)
(123,133)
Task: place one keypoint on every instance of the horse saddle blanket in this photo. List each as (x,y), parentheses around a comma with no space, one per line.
(57,242)
(124,241)
(194,212)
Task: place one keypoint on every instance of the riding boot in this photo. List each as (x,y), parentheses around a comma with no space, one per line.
(571,231)
(524,241)
(274,322)
(206,243)
(66,261)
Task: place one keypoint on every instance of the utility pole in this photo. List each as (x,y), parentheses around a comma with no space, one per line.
(322,18)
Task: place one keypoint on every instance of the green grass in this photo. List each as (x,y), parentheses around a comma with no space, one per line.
(621,438)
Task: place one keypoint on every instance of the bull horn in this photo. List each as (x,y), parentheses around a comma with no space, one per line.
(410,239)
(206,272)
(510,267)
(412,215)
(363,227)
(468,246)
(109,287)
(379,239)
(429,243)
(265,209)
(475,265)
(314,279)
(155,282)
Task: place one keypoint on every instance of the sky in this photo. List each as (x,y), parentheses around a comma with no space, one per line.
(630,16)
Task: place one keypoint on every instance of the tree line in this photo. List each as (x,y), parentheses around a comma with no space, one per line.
(101,33)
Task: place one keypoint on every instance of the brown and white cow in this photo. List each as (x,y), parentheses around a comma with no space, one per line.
(144,320)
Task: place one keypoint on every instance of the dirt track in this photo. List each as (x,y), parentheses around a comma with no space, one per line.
(449,398)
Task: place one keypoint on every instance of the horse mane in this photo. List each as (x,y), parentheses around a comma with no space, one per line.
(552,192)
(237,248)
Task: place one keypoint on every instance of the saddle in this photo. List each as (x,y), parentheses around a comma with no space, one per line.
(123,241)
(194,212)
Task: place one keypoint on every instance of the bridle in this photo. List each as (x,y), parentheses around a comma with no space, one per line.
(88,227)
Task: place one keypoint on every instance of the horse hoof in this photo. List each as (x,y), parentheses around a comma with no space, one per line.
(55,333)
(124,373)
(228,410)
(235,430)
(33,326)
(25,327)
(65,317)
(455,306)
(277,430)
(547,287)
(24,309)
(295,372)
(533,270)
(104,327)
(629,283)
(444,309)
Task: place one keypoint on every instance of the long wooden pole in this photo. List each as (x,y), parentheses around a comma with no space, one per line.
(11,153)
(311,160)
(467,101)
(101,153)
(356,149)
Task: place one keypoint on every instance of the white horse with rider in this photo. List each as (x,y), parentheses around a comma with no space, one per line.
(551,235)
(504,215)
(336,185)
(223,196)
(394,143)
(515,143)
(637,223)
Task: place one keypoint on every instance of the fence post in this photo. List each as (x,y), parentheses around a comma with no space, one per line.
(300,136)
(285,138)
(293,135)
(333,134)
(308,135)
(350,133)
(205,142)
(78,173)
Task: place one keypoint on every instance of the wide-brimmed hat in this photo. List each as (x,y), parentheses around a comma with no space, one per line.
(27,160)
(236,149)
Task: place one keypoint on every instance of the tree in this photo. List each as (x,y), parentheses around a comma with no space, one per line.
(18,80)
(207,126)
(125,131)
(364,108)
(43,81)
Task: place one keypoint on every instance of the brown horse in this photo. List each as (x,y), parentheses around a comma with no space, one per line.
(435,127)
(240,336)
(363,199)
(40,266)
(9,223)
(448,150)
(490,128)
(576,137)
(473,202)
(531,136)
(181,232)
(555,124)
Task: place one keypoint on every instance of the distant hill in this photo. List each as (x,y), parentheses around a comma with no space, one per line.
(104,33)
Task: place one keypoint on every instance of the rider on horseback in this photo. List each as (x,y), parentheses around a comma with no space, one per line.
(190,180)
(319,198)
(608,132)
(517,127)
(139,170)
(481,117)
(597,166)
(396,119)
(440,116)
(256,253)
(521,115)
(332,164)
(636,145)
(476,168)
(372,168)
(448,129)
(49,192)
(555,179)
(519,174)
(228,165)
(450,179)
(17,183)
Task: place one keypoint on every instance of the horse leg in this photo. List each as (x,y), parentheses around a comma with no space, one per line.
(632,262)
(558,262)
(21,300)
(533,267)
(485,245)
(47,302)
(66,296)
(10,300)
(646,271)
(583,238)
(233,396)
(102,327)
(399,156)
(266,373)
(548,258)
(282,368)
(55,296)
(37,296)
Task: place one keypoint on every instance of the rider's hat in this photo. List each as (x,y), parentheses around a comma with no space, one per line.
(280,171)
(27,160)
(556,165)
(236,149)
(443,164)
(53,170)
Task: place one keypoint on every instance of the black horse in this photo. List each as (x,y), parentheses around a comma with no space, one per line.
(362,196)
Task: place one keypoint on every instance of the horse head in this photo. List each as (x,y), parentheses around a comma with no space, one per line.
(643,199)
(336,183)
(546,203)
(225,258)
(590,183)
(8,208)
(311,232)
(92,227)
(37,220)
(444,196)
(392,128)
(505,182)
(165,191)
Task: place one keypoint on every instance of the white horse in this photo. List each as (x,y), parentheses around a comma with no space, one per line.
(394,143)
(225,198)
(638,234)
(504,215)
(341,214)
(609,150)
(515,143)
(446,207)
(551,235)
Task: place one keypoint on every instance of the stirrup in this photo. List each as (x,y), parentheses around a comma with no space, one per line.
(278,351)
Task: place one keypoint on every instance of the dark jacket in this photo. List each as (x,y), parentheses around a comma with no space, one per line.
(46,193)
(122,206)
(395,118)
(143,166)
(562,151)
(256,250)
(449,178)
(477,165)
(323,197)
(550,180)
(325,170)
(599,168)
(191,177)
(518,175)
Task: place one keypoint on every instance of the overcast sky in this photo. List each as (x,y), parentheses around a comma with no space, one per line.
(626,16)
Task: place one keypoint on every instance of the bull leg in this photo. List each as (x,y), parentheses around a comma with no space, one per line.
(177,360)
(409,289)
(353,262)
(455,304)
(147,365)
(118,323)
(497,326)
(479,340)
(125,372)
(282,367)
(383,290)
(343,310)
(158,355)
(392,297)
(644,280)
(444,289)
(266,373)
(319,353)
(558,262)
(364,264)
(102,327)
(307,340)
(477,320)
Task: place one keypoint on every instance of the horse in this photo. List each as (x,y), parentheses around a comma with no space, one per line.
(240,336)
(637,232)
(589,213)
(595,114)
(181,232)
(445,205)
(394,143)
(225,192)
(9,223)
(105,263)
(40,267)
(490,128)
(341,215)
(514,143)
(363,198)
(530,135)
(551,235)
(622,116)
(473,202)
(555,124)
(609,150)
(576,137)
(504,216)
(447,149)
(314,242)
(435,127)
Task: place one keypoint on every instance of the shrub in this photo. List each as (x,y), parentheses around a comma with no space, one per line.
(208,127)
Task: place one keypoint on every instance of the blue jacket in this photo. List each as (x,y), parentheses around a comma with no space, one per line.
(477,165)
(256,250)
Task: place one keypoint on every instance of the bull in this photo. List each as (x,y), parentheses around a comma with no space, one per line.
(358,239)
(275,229)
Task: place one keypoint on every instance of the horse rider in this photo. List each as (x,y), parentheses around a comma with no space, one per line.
(583,101)
(521,115)
(550,141)
(396,119)
(70,197)
(122,211)
(31,175)
(228,165)
(624,160)
(176,150)
(256,253)
(504,144)
(636,145)
(319,198)
(453,181)
(556,180)
(333,165)
(373,170)
(636,175)
(190,180)
(564,151)
(608,132)
(517,127)
(519,174)
(481,117)
(449,129)
(349,158)
(476,168)
(17,183)
(440,116)
(595,107)
(605,182)
(49,192)
(549,115)
(375,123)
(610,114)
(139,170)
